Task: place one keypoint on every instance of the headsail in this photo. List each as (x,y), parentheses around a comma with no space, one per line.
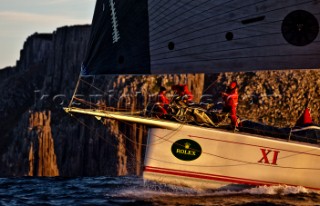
(203,36)
(119,41)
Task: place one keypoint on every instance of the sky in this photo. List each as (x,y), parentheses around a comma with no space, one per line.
(22,18)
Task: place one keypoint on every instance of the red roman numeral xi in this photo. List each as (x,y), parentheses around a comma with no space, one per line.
(265,158)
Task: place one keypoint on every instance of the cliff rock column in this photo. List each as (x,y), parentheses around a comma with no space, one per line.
(42,157)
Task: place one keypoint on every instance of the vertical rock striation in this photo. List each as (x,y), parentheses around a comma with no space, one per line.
(42,157)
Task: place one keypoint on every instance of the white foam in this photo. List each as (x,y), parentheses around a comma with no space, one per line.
(158,190)
(270,190)
(280,189)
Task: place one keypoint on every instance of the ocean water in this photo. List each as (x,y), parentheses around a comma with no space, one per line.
(134,191)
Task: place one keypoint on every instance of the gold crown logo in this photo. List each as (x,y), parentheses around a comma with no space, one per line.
(187,145)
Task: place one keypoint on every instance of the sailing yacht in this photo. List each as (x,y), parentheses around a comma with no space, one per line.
(158,37)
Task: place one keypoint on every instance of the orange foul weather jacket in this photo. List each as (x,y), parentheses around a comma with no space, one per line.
(182,90)
(231,103)
(163,100)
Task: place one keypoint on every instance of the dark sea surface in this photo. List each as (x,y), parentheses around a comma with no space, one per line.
(134,191)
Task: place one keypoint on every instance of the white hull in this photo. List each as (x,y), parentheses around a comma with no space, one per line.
(228,158)
(222,157)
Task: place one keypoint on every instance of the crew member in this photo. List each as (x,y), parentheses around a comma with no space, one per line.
(183,91)
(163,101)
(305,119)
(230,98)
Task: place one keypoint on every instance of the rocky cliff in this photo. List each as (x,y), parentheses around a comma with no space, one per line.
(39,139)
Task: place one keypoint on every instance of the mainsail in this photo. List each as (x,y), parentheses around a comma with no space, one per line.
(203,36)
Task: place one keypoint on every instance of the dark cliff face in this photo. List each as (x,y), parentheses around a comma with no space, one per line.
(48,66)
(38,138)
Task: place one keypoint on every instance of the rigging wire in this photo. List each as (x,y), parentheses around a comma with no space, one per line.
(94,87)
(98,89)
(75,91)
(210,85)
(111,108)
(104,93)
(98,135)
(121,133)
